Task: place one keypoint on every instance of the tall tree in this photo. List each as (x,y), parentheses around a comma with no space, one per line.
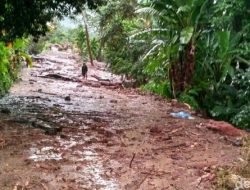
(87,37)
(178,24)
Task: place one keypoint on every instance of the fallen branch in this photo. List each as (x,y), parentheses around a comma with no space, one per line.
(44,186)
(55,76)
(98,84)
(59,77)
(142,181)
(130,165)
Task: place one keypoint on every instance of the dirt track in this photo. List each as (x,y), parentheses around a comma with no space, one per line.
(100,137)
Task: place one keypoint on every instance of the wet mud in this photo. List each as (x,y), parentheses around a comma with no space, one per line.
(61,133)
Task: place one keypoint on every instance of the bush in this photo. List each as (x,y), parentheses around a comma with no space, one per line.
(230,100)
(5,79)
(160,88)
(11,59)
(242,118)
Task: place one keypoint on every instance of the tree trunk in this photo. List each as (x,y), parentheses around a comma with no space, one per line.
(181,72)
(99,55)
(87,39)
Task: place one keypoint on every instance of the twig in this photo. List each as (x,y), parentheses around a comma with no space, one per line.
(130,165)
(139,185)
(44,186)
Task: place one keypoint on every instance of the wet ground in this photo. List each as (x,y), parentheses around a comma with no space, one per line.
(58,131)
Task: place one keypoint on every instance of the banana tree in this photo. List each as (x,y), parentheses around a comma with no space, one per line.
(181,19)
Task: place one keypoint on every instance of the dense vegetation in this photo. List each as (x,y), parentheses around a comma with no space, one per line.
(194,50)
(11,60)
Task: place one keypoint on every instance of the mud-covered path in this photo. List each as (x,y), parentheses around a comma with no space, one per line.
(66,134)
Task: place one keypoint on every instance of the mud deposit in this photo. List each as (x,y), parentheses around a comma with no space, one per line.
(63,133)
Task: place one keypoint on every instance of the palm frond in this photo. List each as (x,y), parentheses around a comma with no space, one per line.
(148,11)
(157,43)
(148,31)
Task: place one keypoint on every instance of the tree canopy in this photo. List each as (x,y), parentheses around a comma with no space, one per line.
(25,17)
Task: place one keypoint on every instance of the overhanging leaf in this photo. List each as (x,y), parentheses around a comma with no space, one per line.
(186,35)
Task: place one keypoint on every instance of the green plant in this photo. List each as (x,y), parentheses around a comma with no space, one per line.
(161,88)
(5,80)
(242,118)
(18,20)
(11,60)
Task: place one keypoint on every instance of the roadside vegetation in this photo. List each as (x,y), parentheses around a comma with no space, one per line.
(196,51)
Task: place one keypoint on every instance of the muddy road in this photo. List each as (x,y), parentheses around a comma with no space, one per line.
(58,131)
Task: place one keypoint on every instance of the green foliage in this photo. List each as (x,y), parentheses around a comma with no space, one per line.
(189,98)
(5,80)
(11,60)
(79,38)
(205,43)
(242,118)
(161,88)
(23,18)
(231,101)
(117,22)
(36,47)
(57,35)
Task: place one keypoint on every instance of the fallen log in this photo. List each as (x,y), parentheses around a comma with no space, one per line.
(59,77)
(94,84)
(104,83)
(99,78)
(98,84)
(45,59)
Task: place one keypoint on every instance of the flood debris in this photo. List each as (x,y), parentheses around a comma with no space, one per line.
(67,98)
(131,161)
(107,137)
(48,128)
(182,114)
(59,77)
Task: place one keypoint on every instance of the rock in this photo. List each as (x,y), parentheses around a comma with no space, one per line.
(113,101)
(67,98)
(5,111)
(129,84)
(51,131)
(155,130)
